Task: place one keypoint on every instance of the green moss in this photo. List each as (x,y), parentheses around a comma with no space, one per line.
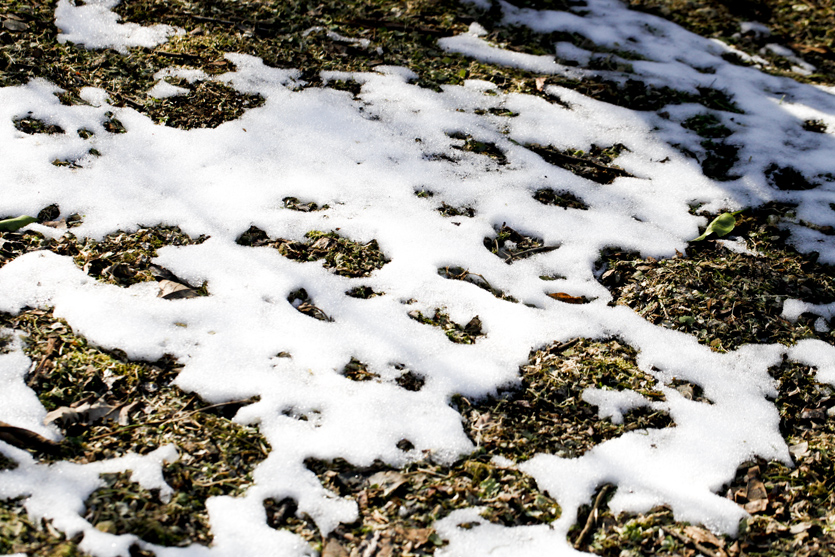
(216,455)
(546,413)
(341,255)
(19,534)
(731,298)
(596,165)
(398,507)
(707,125)
(459,334)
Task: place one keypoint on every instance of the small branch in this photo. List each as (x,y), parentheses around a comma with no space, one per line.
(592,518)
(381,23)
(542,249)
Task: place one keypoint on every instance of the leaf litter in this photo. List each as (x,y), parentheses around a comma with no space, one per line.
(244,28)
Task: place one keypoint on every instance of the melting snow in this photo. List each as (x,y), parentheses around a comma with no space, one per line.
(366,157)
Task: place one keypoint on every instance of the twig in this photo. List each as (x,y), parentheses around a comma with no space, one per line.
(50,349)
(530,251)
(381,23)
(592,518)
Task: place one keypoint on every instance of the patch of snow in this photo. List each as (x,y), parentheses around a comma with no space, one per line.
(163,90)
(366,157)
(754,27)
(737,245)
(96,26)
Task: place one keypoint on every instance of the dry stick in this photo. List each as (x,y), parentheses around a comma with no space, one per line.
(530,251)
(592,518)
(362,22)
(50,349)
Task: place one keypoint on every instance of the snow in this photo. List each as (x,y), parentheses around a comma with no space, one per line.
(366,158)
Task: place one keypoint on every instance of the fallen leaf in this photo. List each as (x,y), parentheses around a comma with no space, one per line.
(756,506)
(85,413)
(170,290)
(567,298)
(124,412)
(25,439)
(800,450)
(703,536)
(473,327)
(10,225)
(721,226)
(387,480)
(800,527)
(334,549)
(540,83)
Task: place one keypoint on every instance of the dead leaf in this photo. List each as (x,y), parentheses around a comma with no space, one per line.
(85,413)
(805,49)
(540,83)
(703,536)
(756,490)
(567,298)
(334,549)
(387,480)
(473,327)
(25,439)
(58,224)
(757,506)
(170,290)
(417,536)
(12,25)
(800,527)
(124,412)
(800,450)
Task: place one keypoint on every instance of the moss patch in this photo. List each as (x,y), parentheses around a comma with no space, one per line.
(806,28)
(19,534)
(594,165)
(459,334)
(207,105)
(546,413)
(343,256)
(727,299)
(398,507)
(791,508)
(216,454)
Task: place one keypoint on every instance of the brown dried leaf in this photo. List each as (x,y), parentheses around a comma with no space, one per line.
(25,439)
(703,536)
(334,549)
(387,480)
(567,298)
(85,413)
(170,290)
(757,506)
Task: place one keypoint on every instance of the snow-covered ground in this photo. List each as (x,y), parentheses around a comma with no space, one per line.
(366,158)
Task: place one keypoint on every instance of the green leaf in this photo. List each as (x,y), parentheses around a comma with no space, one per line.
(10,225)
(721,226)
(687,320)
